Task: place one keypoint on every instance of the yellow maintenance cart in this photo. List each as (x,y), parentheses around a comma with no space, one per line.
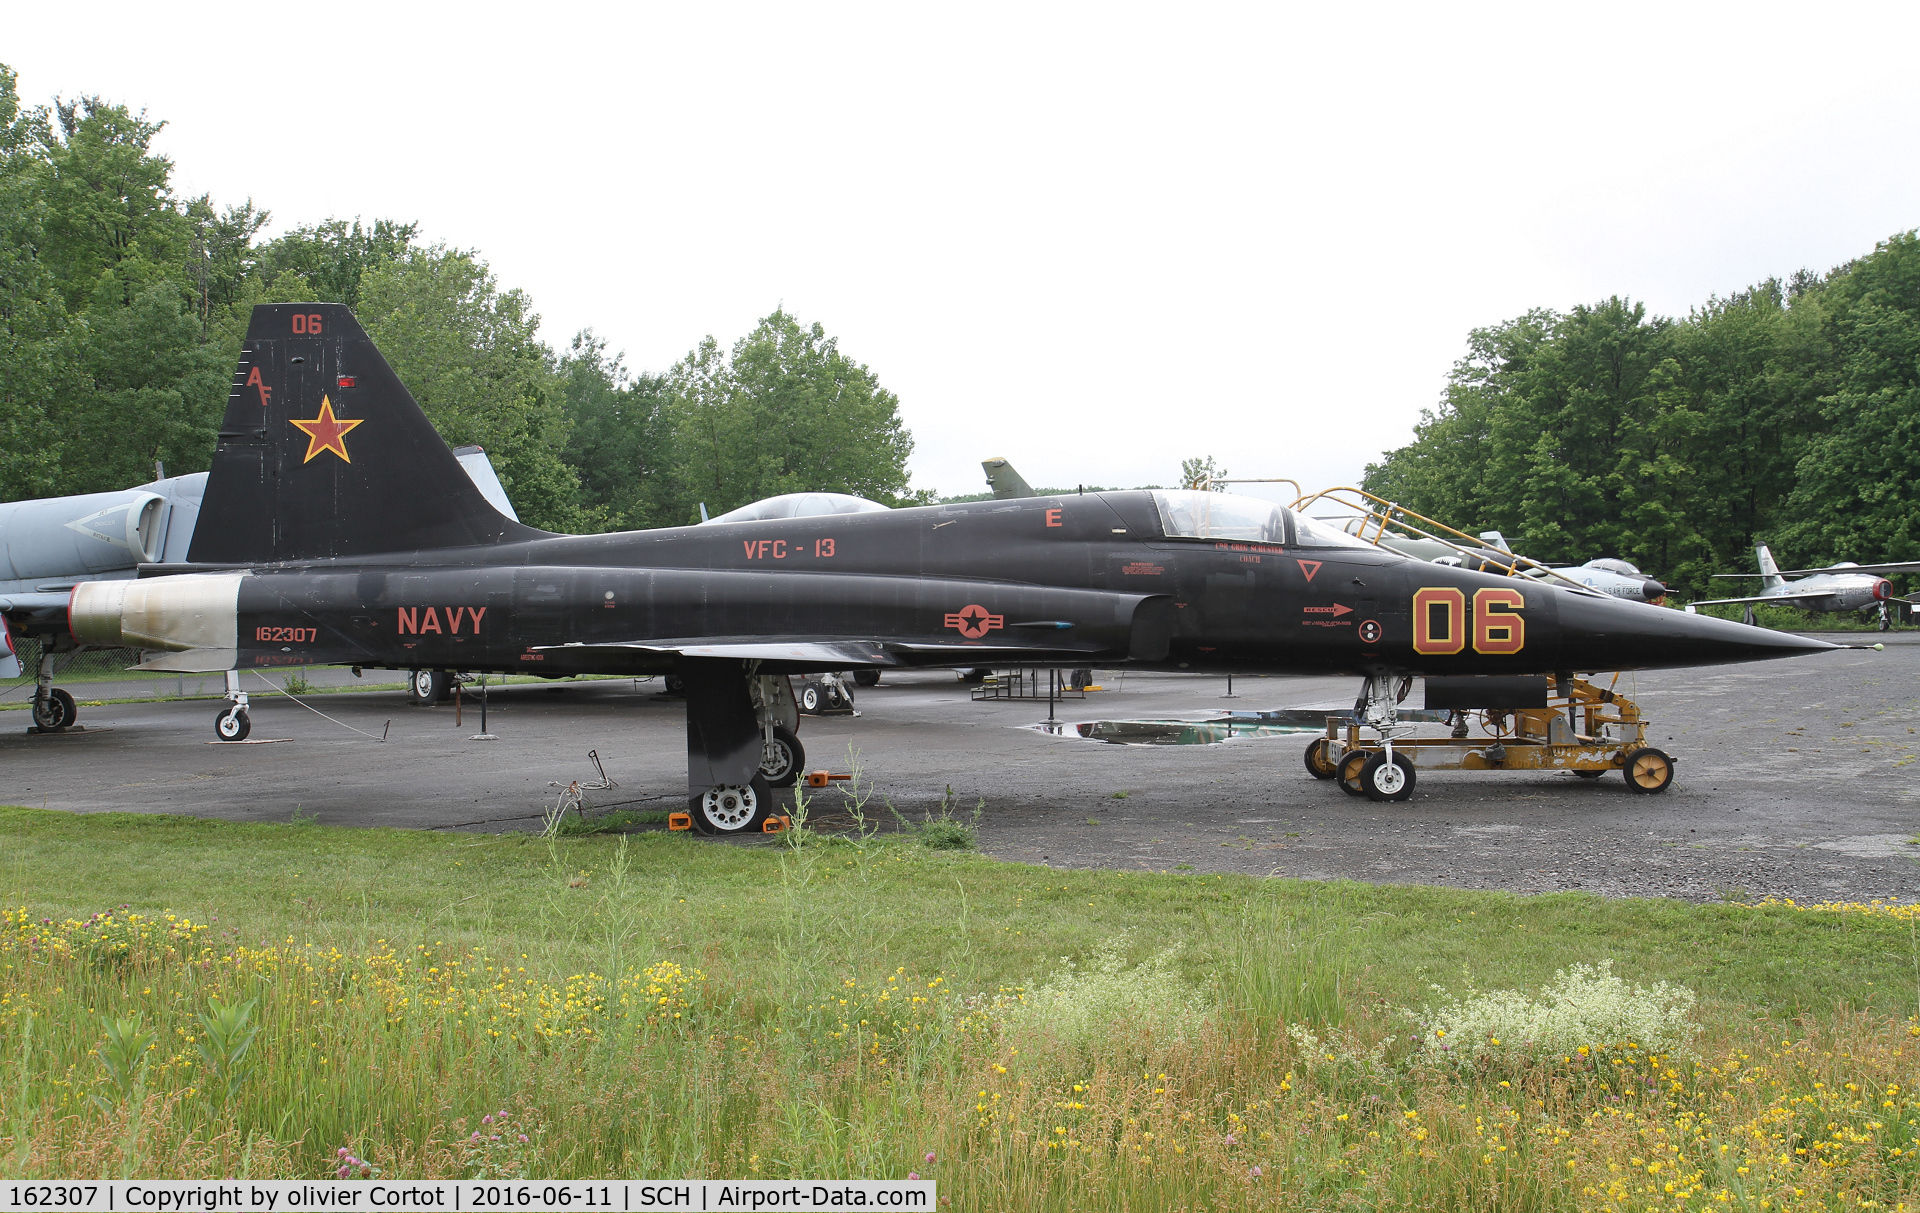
(1582,728)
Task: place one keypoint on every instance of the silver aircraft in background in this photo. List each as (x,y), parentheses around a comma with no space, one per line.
(1839,587)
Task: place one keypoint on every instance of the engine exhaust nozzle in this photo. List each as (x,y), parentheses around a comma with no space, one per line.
(192,611)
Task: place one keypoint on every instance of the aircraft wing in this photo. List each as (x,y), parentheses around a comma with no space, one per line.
(1897,566)
(1786,598)
(837,652)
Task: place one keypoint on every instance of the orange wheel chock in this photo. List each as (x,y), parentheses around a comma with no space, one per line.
(679,821)
(776,825)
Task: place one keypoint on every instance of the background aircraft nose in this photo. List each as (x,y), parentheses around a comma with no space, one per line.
(1608,634)
(1653,591)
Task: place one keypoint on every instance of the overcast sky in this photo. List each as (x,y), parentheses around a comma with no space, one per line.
(1093,239)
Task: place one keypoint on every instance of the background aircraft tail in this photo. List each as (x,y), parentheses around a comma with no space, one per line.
(1004,481)
(323,452)
(1770,579)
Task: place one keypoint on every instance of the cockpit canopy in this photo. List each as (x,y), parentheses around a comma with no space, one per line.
(799,505)
(1191,514)
(1608,564)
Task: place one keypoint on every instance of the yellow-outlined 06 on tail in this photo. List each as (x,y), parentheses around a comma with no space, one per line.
(1440,621)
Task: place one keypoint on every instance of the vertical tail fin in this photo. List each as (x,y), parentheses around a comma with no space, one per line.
(324,453)
(1770,578)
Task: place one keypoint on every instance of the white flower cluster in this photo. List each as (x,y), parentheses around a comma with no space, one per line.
(1083,1004)
(1585,1008)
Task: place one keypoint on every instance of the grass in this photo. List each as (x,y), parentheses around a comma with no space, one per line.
(655,1004)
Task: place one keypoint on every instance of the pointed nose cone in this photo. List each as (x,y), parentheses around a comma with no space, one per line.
(1607,634)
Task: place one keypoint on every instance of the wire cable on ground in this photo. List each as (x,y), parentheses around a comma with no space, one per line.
(317,712)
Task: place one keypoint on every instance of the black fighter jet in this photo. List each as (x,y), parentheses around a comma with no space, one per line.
(338,528)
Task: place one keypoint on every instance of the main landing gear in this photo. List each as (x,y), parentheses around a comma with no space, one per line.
(428,687)
(743,740)
(233,723)
(53,708)
(1581,728)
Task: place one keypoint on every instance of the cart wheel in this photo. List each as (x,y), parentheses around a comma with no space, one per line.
(1348,773)
(782,758)
(1318,764)
(1383,780)
(1648,771)
(1589,774)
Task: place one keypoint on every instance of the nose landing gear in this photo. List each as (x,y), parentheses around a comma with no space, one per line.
(233,723)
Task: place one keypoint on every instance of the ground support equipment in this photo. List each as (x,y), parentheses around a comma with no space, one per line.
(1583,729)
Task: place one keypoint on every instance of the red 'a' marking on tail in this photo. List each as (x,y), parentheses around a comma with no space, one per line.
(1309,567)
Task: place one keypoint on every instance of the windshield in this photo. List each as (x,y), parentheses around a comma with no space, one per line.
(1196,515)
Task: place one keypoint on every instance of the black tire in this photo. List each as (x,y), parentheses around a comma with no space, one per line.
(676,685)
(47,712)
(867,678)
(1386,782)
(973,677)
(810,698)
(1318,764)
(232,724)
(1080,679)
(1589,774)
(428,687)
(782,759)
(729,810)
(1649,771)
(69,712)
(1347,774)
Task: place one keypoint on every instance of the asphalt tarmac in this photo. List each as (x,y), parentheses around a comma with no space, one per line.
(1796,778)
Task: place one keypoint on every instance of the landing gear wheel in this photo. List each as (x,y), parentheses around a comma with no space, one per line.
(1648,771)
(810,699)
(727,809)
(782,759)
(232,724)
(675,684)
(1589,774)
(56,711)
(427,687)
(1347,774)
(1318,764)
(1383,780)
(871,678)
(973,677)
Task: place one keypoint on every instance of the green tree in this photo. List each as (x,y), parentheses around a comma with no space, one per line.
(1857,483)
(784,412)
(618,442)
(469,353)
(35,361)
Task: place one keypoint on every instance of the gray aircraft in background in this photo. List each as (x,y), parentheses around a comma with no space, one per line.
(51,544)
(1839,587)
